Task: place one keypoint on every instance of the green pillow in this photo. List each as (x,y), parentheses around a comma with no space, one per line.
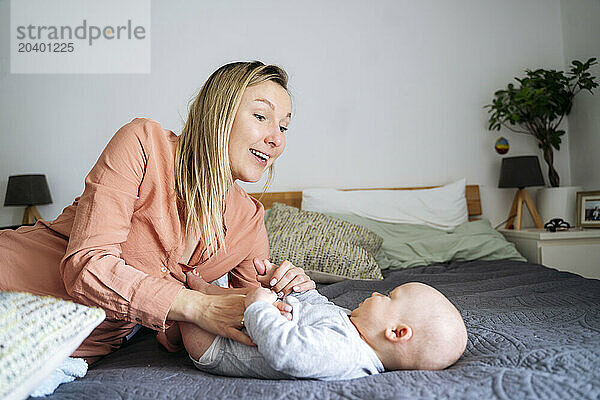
(328,249)
(410,245)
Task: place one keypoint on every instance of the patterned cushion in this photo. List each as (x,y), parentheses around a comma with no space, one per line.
(327,248)
(36,334)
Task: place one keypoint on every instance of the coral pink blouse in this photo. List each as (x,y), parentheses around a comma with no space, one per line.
(119,245)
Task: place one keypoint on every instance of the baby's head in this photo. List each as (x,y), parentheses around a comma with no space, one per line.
(416,327)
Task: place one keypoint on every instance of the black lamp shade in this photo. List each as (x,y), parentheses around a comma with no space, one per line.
(520,172)
(27,190)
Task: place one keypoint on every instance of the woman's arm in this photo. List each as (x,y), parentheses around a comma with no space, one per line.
(219,314)
(93,270)
(195,282)
(228,303)
(171,339)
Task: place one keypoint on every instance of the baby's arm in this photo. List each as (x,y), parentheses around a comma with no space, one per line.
(300,351)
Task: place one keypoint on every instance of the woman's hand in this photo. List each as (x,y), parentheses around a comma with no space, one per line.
(220,314)
(195,282)
(283,279)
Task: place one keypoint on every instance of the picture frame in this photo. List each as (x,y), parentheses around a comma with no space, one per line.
(588,209)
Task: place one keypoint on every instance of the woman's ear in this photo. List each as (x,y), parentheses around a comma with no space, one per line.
(400,333)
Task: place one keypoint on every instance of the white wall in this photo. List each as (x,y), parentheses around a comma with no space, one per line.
(581,36)
(386,93)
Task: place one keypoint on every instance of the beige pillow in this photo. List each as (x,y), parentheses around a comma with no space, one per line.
(327,248)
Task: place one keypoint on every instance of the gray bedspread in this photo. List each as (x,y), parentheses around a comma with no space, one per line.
(534,333)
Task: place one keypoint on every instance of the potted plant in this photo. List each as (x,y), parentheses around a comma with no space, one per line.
(536,106)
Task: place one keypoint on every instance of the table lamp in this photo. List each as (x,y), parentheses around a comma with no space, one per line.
(28,190)
(521,172)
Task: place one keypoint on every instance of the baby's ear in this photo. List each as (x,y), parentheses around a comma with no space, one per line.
(401,333)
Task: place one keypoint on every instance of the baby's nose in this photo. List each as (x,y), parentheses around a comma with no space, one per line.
(376,294)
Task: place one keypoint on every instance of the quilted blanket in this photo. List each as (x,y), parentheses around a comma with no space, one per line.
(534,333)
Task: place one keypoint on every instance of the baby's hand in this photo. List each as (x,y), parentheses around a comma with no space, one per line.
(260,294)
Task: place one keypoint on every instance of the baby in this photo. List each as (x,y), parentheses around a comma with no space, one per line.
(416,327)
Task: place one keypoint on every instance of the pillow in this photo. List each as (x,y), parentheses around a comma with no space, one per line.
(328,249)
(410,245)
(443,208)
(37,333)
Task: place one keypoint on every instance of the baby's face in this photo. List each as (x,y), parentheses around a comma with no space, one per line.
(377,308)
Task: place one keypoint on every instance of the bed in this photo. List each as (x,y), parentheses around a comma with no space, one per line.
(534,333)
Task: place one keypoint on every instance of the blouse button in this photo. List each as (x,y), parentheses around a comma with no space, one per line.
(164,269)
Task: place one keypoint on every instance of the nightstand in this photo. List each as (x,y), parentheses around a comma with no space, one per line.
(576,251)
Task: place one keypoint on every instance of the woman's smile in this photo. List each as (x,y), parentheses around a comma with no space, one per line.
(261,158)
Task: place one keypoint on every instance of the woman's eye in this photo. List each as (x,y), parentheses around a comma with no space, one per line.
(283,129)
(259,117)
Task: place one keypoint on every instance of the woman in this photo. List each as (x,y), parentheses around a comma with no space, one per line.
(158,207)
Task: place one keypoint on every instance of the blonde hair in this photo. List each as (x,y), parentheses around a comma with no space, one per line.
(202,170)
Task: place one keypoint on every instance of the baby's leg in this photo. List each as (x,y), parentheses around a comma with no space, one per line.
(195,339)
(226,357)
(171,338)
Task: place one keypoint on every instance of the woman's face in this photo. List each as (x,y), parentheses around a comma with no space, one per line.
(257,136)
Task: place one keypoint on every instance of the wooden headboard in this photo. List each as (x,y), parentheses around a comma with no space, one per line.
(294,199)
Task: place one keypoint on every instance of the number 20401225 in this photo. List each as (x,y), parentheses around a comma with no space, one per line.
(27,47)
